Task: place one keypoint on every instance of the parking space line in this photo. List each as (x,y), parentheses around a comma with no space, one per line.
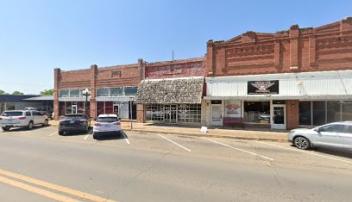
(177,144)
(86,137)
(54,133)
(308,152)
(241,150)
(126,138)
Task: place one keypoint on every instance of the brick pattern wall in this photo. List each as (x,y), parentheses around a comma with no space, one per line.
(292,114)
(177,68)
(328,47)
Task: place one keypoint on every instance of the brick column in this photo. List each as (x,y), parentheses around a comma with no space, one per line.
(292,114)
(140,113)
(56,103)
(294,47)
(141,68)
(210,61)
(93,102)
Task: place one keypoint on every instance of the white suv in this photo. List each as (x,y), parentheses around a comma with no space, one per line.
(22,118)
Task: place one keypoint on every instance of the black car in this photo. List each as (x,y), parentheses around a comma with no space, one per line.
(74,123)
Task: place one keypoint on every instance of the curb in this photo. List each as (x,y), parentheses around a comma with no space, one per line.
(209,135)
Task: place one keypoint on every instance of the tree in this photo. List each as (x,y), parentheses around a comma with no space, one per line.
(2,92)
(47,92)
(17,93)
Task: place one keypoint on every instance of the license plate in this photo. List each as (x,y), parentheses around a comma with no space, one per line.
(72,122)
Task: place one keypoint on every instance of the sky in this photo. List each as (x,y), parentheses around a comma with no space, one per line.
(37,36)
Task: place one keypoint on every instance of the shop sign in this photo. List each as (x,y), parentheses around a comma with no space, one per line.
(233,108)
(263,87)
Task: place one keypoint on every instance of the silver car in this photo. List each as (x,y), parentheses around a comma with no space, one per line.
(337,134)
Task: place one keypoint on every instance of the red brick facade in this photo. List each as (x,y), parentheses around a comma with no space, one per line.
(327,47)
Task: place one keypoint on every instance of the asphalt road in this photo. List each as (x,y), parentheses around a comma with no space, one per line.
(39,165)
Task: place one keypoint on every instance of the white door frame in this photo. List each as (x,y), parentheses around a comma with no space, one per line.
(277,126)
(220,123)
(76,108)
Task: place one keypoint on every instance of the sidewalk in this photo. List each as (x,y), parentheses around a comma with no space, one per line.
(278,136)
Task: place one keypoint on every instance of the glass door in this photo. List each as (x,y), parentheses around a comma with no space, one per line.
(216,115)
(170,113)
(278,117)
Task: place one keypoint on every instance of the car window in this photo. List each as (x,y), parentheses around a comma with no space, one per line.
(28,113)
(35,113)
(348,129)
(333,128)
(107,119)
(14,113)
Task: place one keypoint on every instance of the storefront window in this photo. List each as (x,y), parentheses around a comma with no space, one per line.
(130,91)
(333,111)
(257,112)
(154,112)
(109,108)
(319,113)
(189,113)
(100,108)
(232,108)
(347,111)
(103,92)
(75,93)
(116,91)
(305,113)
(64,93)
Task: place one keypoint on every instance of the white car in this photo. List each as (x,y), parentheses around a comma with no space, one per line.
(106,124)
(22,118)
(337,134)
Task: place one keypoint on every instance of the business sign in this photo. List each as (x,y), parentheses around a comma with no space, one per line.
(263,87)
(233,108)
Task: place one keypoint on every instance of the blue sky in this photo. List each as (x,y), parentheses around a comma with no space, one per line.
(39,35)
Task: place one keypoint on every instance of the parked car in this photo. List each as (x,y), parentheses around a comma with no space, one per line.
(337,134)
(22,118)
(74,123)
(107,125)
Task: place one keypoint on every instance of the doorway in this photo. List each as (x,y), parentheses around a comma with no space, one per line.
(116,109)
(170,113)
(278,116)
(216,115)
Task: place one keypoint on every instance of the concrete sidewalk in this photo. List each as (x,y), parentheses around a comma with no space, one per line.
(278,136)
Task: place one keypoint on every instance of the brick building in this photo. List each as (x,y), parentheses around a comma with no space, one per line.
(300,76)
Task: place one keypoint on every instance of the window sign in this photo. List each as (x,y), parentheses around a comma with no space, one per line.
(233,108)
(263,87)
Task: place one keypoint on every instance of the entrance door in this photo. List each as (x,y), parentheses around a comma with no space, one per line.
(216,115)
(278,117)
(116,109)
(74,109)
(170,113)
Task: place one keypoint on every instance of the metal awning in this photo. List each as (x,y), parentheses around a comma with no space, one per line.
(171,91)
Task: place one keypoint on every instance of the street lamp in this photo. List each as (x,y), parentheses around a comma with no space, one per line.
(86,93)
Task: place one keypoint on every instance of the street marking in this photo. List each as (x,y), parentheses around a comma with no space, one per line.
(177,144)
(126,138)
(42,192)
(308,152)
(54,133)
(241,150)
(86,137)
(48,185)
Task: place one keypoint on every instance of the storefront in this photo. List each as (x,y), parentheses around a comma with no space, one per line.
(279,101)
(172,101)
(119,100)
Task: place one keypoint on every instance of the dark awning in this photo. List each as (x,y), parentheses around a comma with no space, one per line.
(171,91)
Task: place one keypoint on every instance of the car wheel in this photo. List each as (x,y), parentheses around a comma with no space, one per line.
(61,132)
(5,128)
(30,125)
(46,122)
(95,136)
(301,143)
